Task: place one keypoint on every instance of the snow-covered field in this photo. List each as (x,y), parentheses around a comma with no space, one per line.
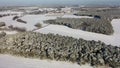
(10,12)
(31,21)
(8,61)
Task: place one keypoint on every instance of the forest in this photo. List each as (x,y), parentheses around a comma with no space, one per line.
(60,48)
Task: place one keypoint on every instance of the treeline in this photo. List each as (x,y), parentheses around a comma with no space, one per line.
(87,24)
(61,48)
(108,13)
(4,15)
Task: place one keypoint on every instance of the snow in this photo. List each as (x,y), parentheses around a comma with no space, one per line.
(11,12)
(30,19)
(33,19)
(8,61)
(28,8)
(65,31)
(9,21)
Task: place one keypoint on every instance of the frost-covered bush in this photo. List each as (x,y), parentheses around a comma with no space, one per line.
(2,34)
(20,20)
(19,29)
(10,26)
(15,17)
(2,24)
(38,25)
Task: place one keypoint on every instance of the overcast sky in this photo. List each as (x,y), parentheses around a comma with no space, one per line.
(55,2)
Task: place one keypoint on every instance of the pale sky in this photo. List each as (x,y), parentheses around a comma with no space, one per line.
(55,2)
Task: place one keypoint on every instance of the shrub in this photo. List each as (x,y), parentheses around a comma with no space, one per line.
(20,20)
(16,17)
(11,26)
(38,25)
(1,16)
(2,34)
(20,29)
(2,24)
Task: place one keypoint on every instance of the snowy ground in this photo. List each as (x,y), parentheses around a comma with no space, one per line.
(31,21)
(10,12)
(8,61)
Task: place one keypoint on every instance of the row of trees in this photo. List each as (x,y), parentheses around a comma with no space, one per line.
(4,15)
(19,29)
(61,48)
(87,24)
